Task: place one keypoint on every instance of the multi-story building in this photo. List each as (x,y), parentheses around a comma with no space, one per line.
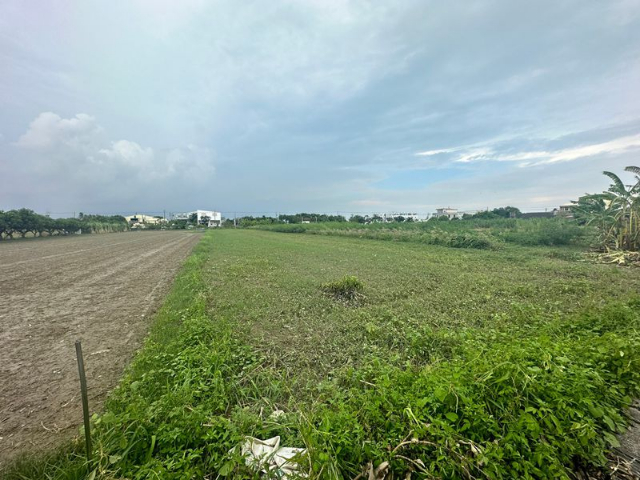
(207,218)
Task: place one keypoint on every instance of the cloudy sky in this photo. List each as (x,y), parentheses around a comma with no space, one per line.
(314,105)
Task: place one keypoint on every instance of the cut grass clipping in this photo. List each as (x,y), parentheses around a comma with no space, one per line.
(347,290)
(462,364)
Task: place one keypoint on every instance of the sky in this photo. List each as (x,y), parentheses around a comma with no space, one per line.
(316,105)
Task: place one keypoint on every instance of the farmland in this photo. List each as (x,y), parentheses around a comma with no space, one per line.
(101,289)
(452,362)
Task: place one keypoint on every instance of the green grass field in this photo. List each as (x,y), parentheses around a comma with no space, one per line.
(510,362)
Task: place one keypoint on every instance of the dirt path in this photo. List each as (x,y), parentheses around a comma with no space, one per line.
(629,451)
(100,289)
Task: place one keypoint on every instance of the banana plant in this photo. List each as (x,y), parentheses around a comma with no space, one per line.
(615,213)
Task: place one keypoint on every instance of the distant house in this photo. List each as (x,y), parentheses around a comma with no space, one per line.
(202,217)
(139,220)
(447,212)
(565,210)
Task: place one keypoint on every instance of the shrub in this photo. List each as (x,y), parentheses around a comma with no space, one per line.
(348,289)
(457,239)
(544,232)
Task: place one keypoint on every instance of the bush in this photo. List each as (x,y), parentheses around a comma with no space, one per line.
(457,239)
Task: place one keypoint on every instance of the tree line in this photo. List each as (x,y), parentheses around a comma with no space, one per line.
(250,221)
(24,221)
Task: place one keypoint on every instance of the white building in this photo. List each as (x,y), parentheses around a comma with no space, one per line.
(203,217)
(447,212)
(408,217)
(139,220)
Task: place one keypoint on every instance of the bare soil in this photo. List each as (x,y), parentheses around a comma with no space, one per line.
(100,289)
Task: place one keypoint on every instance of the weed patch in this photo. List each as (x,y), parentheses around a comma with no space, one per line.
(347,290)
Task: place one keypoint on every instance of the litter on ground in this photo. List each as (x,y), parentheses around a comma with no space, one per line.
(268,456)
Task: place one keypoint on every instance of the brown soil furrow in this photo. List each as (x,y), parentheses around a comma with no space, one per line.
(65,254)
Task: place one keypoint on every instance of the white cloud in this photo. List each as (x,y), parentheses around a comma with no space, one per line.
(74,156)
(611,147)
(543,157)
(192,162)
(49,130)
(430,153)
(129,153)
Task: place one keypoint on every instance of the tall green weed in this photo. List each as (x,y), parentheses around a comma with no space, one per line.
(475,233)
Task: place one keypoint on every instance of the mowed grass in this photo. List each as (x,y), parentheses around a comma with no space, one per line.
(271,285)
(453,363)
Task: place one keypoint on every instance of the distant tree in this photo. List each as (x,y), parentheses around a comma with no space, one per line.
(41,225)
(3,224)
(49,226)
(357,219)
(507,212)
(12,220)
(290,218)
(398,218)
(69,225)
(204,220)
(486,215)
(178,224)
(193,218)
(25,221)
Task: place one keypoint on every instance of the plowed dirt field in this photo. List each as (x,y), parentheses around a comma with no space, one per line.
(100,289)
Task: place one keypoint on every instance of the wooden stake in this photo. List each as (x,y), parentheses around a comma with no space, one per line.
(85,399)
